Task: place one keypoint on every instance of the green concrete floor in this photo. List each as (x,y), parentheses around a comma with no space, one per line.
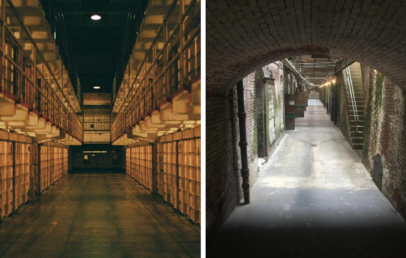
(98,215)
(313,198)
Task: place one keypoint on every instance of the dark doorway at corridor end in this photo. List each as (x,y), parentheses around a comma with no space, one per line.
(97,158)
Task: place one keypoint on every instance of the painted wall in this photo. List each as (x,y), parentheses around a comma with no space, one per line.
(96,137)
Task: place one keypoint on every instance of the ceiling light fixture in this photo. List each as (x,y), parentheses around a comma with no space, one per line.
(95,17)
(96,87)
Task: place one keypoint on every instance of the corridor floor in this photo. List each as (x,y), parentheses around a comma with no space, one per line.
(313,198)
(98,215)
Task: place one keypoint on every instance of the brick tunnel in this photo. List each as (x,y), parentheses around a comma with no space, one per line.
(268,47)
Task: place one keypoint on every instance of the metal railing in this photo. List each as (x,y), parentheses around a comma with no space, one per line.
(27,78)
(134,19)
(172,61)
(56,22)
(352,96)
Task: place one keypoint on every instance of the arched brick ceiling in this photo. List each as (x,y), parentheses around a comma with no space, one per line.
(243,35)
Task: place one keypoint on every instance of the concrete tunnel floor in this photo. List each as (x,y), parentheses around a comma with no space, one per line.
(313,198)
(98,215)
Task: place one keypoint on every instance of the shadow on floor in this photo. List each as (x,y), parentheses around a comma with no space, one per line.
(97,171)
(310,242)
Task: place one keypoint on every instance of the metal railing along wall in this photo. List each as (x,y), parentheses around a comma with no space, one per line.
(27,78)
(352,95)
(134,19)
(172,62)
(57,24)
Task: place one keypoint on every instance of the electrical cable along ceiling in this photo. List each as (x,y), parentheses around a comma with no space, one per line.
(315,68)
(94,45)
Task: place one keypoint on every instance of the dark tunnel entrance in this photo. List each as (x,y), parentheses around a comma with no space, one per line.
(311,183)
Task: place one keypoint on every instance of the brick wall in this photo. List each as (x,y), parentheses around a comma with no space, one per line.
(385,116)
(277,69)
(222,175)
(371,122)
(223,156)
(262,110)
(251,126)
(396,181)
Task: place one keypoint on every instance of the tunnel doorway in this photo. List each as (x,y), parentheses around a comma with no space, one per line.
(357,44)
(97,158)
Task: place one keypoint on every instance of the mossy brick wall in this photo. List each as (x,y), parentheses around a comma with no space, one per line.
(267,100)
(277,128)
(392,145)
(279,89)
(271,114)
(372,115)
(274,96)
(385,134)
(263,111)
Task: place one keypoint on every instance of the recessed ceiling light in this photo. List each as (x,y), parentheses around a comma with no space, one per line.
(96,87)
(95,17)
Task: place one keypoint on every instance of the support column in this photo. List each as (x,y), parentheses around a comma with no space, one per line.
(333,102)
(14,176)
(154,168)
(39,168)
(243,143)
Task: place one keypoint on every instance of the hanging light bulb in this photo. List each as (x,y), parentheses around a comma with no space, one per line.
(95,17)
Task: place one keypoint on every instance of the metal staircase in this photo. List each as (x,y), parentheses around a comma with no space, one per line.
(355,104)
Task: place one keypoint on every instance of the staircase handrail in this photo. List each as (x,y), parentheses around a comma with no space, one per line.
(352,96)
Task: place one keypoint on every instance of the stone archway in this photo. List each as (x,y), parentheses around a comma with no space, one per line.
(245,35)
